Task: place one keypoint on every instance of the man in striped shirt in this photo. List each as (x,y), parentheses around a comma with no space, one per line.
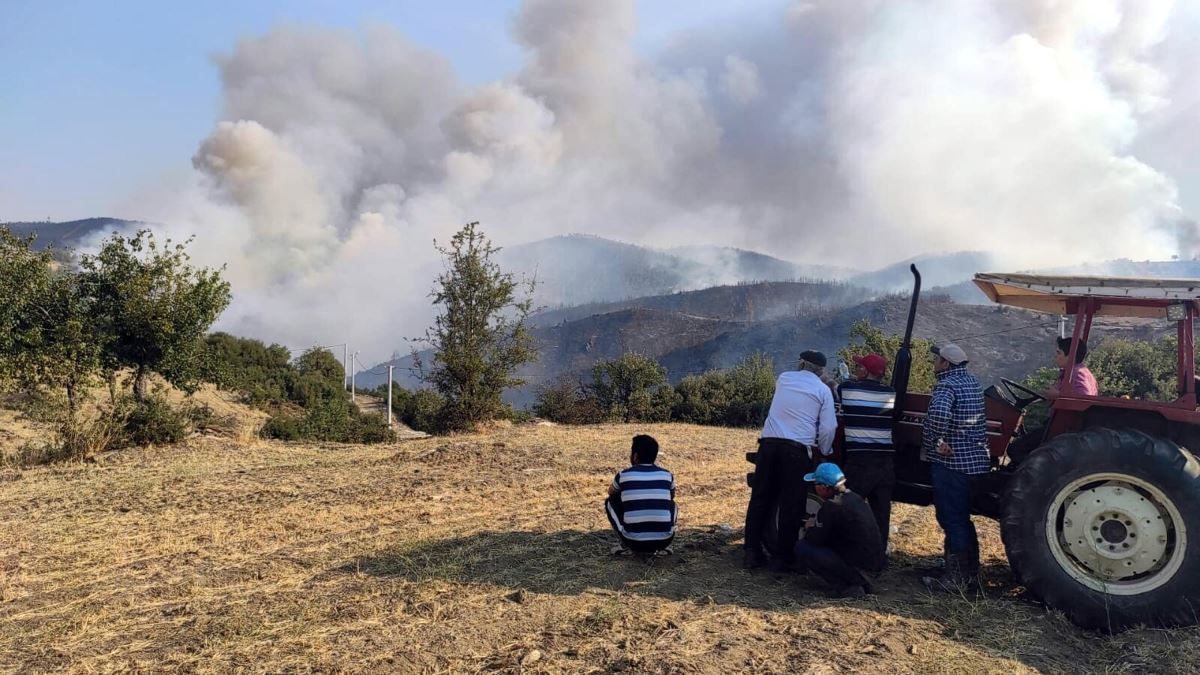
(641,501)
(867,405)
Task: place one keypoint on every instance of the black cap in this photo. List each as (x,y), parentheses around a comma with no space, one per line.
(814,357)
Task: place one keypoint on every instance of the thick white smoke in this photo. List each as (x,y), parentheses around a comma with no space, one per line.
(852,133)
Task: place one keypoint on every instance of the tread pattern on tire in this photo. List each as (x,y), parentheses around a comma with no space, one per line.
(1032,489)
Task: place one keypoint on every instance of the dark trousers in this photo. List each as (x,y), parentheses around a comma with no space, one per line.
(872,476)
(828,565)
(779,491)
(612,509)
(952,504)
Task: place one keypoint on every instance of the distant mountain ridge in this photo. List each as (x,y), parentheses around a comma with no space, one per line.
(67,234)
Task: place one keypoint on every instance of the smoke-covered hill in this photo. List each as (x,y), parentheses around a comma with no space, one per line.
(578,269)
(70,233)
(743,302)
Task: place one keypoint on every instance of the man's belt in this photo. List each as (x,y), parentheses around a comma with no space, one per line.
(786,441)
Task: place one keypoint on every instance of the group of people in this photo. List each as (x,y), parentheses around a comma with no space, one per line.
(846,541)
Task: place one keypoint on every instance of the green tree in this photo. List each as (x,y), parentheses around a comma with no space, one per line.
(480,338)
(45,323)
(866,338)
(631,388)
(261,373)
(319,377)
(1136,368)
(151,308)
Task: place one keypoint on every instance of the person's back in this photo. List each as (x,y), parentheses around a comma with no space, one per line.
(867,407)
(846,524)
(796,407)
(641,500)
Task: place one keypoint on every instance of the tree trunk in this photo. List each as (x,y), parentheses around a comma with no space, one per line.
(139,384)
(72,400)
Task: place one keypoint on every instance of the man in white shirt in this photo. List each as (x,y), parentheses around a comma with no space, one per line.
(802,421)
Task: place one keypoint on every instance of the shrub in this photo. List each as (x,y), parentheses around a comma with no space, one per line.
(566,401)
(333,420)
(151,421)
(627,389)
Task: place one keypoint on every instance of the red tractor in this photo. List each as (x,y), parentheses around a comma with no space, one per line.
(1102,520)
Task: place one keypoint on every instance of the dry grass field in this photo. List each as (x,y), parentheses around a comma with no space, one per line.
(472,553)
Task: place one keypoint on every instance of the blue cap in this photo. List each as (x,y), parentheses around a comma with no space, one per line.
(827,474)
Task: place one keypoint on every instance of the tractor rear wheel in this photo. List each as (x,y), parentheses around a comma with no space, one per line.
(1105,525)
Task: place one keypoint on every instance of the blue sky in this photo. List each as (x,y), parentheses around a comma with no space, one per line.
(100,100)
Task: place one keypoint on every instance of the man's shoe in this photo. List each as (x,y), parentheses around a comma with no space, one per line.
(955,579)
(753,559)
(619,549)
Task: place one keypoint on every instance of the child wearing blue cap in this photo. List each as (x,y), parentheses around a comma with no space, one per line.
(841,543)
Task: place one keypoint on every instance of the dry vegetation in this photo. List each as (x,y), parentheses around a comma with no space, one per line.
(466,554)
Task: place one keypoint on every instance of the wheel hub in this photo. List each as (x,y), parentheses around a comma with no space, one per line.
(1114,531)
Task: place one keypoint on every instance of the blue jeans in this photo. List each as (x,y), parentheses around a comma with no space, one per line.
(952,504)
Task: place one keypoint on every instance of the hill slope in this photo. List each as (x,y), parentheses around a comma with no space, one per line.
(68,234)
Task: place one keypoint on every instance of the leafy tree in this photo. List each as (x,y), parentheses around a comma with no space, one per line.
(1135,368)
(629,389)
(319,377)
(45,323)
(866,338)
(263,374)
(480,338)
(151,308)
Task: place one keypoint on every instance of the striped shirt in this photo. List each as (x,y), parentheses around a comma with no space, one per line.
(867,415)
(957,416)
(646,493)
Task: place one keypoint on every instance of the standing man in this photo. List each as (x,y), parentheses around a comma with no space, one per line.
(867,405)
(801,421)
(954,440)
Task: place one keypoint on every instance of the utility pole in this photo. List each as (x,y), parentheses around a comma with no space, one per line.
(353,360)
(390,396)
(1062,326)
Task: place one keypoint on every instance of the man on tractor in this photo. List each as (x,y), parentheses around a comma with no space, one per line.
(954,439)
(1082,383)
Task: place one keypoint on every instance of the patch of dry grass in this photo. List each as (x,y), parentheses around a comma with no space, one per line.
(471,553)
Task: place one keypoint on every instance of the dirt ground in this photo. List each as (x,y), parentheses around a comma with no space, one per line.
(473,553)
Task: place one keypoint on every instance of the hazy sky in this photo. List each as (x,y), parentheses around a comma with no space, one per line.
(100,101)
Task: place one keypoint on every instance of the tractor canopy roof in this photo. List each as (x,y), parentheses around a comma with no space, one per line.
(1108,296)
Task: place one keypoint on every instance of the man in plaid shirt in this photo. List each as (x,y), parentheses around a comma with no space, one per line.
(954,440)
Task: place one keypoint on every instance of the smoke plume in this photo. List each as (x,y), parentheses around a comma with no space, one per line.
(844,132)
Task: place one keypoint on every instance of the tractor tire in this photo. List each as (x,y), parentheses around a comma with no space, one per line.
(1104,525)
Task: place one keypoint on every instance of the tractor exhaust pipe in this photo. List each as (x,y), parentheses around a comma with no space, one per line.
(903,367)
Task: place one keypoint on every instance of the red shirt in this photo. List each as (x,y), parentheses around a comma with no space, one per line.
(1083,383)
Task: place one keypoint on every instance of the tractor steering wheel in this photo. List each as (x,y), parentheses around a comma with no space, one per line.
(1021,401)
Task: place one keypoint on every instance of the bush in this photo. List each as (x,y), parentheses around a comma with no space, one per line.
(333,420)
(628,389)
(151,421)
(565,401)
(738,397)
